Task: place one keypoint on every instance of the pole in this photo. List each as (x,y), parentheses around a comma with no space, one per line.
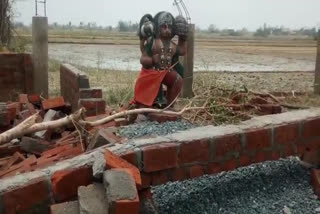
(317,71)
(40,55)
(188,64)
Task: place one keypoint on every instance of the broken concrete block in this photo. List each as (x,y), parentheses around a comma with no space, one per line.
(92,199)
(113,161)
(34,146)
(65,208)
(49,116)
(99,165)
(121,191)
(102,137)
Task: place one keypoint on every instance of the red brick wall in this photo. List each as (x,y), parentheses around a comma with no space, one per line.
(75,89)
(16,75)
(71,80)
(180,156)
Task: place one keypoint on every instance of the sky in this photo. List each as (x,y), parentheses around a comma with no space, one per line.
(234,14)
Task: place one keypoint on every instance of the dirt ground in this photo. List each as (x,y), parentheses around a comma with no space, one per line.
(270,65)
(213,57)
(212,53)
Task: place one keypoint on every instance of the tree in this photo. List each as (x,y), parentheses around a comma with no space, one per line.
(213,29)
(123,26)
(5,22)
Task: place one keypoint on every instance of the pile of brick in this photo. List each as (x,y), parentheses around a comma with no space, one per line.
(114,191)
(261,104)
(43,148)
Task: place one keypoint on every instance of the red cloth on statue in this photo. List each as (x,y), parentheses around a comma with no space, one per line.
(147,86)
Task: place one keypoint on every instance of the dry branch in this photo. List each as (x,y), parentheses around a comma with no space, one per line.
(136,111)
(29,126)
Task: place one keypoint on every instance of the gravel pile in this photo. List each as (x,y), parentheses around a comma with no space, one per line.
(270,187)
(153,129)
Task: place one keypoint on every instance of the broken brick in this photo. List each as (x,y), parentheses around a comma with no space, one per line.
(24,114)
(34,99)
(56,151)
(14,109)
(71,152)
(53,103)
(46,161)
(65,183)
(23,166)
(31,108)
(16,158)
(102,137)
(23,98)
(114,162)
(161,117)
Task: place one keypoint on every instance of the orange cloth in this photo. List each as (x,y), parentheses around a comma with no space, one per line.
(148,85)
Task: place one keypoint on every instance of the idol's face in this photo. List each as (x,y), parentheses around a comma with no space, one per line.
(165,31)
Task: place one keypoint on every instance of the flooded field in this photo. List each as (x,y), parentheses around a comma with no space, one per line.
(221,57)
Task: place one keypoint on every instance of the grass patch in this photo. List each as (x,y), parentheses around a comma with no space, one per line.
(118,88)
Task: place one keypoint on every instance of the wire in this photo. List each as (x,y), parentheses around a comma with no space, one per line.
(179,4)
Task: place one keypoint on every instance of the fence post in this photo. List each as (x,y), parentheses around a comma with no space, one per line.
(188,64)
(317,71)
(40,55)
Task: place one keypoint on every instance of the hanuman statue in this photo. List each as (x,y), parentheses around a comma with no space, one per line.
(160,59)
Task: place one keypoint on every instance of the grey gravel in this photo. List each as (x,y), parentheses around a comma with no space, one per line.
(268,187)
(153,129)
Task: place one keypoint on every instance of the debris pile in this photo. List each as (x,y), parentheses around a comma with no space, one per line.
(29,140)
(39,149)
(228,105)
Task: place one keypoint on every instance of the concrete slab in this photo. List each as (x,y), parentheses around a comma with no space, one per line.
(119,185)
(65,208)
(92,199)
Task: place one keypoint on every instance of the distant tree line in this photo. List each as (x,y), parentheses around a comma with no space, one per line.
(128,26)
(269,30)
(123,26)
(263,31)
